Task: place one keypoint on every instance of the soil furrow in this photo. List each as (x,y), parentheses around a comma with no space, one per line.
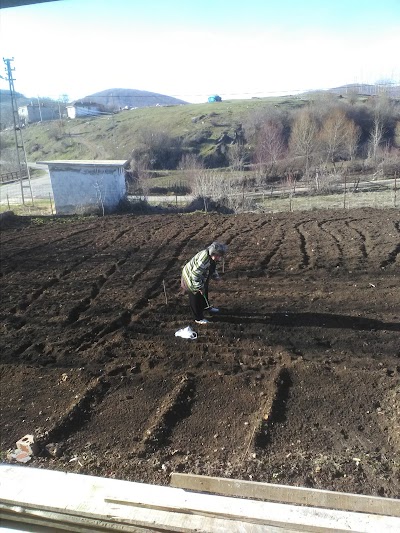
(294,381)
(171,410)
(391,258)
(305,246)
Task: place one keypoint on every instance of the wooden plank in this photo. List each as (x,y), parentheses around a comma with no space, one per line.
(50,497)
(286,494)
(126,505)
(231,519)
(268,514)
(54,521)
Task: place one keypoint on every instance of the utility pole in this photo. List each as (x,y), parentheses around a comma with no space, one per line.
(40,111)
(23,169)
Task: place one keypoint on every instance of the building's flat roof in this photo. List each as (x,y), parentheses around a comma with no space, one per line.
(84,162)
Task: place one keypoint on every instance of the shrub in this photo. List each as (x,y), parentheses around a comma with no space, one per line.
(197,137)
(355,167)
(390,166)
(176,188)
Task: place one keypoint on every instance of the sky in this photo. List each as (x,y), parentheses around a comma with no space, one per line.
(191,49)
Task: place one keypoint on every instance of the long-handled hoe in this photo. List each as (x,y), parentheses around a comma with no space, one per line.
(208,305)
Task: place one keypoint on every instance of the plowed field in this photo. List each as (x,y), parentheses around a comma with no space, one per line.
(296,381)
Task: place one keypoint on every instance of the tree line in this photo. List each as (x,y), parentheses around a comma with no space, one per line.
(325,136)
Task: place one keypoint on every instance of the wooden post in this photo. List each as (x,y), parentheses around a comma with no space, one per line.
(8,203)
(51,204)
(165,293)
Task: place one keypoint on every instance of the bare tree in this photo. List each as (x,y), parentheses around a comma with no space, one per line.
(303,139)
(323,104)
(338,136)
(139,171)
(158,148)
(397,134)
(352,137)
(376,134)
(100,193)
(270,145)
(352,95)
(237,157)
(208,184)
(154,149)
(203,182)
(383,113)
(192,166)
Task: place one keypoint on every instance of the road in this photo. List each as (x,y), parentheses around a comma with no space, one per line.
(41,187)
(11,192)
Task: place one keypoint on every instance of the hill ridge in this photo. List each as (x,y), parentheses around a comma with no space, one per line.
(117,98)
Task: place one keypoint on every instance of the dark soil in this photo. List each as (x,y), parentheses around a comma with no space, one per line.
(296,381)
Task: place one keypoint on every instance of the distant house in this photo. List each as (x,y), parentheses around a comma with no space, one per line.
(85,108)
(36,113)
(214,98)
(81,187)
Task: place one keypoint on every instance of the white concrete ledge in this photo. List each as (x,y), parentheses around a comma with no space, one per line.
(73,502)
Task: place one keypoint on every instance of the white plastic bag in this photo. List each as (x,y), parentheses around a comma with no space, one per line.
(186,333)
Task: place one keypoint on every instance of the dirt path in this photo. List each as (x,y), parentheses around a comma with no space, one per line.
(296,381)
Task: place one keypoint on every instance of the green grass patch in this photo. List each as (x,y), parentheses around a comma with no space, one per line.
(38,208)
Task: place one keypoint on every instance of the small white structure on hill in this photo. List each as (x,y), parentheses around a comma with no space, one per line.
(83,187)
(85,108)
(37,113)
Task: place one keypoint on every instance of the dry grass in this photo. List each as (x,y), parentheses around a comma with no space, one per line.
(38,208)
(376,199)
(273,204)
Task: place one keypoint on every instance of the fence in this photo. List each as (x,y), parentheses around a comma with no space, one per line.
(297,196)
(275,197)
(11,197)
(9,177)
(343,194)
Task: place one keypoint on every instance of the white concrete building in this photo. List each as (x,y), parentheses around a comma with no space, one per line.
(84,108)
(37,113)
(83,187)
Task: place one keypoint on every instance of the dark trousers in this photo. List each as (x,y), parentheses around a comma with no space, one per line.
(213,266)
(197,305)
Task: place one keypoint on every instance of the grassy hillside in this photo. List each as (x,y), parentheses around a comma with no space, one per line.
(157,138)
(115,136)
